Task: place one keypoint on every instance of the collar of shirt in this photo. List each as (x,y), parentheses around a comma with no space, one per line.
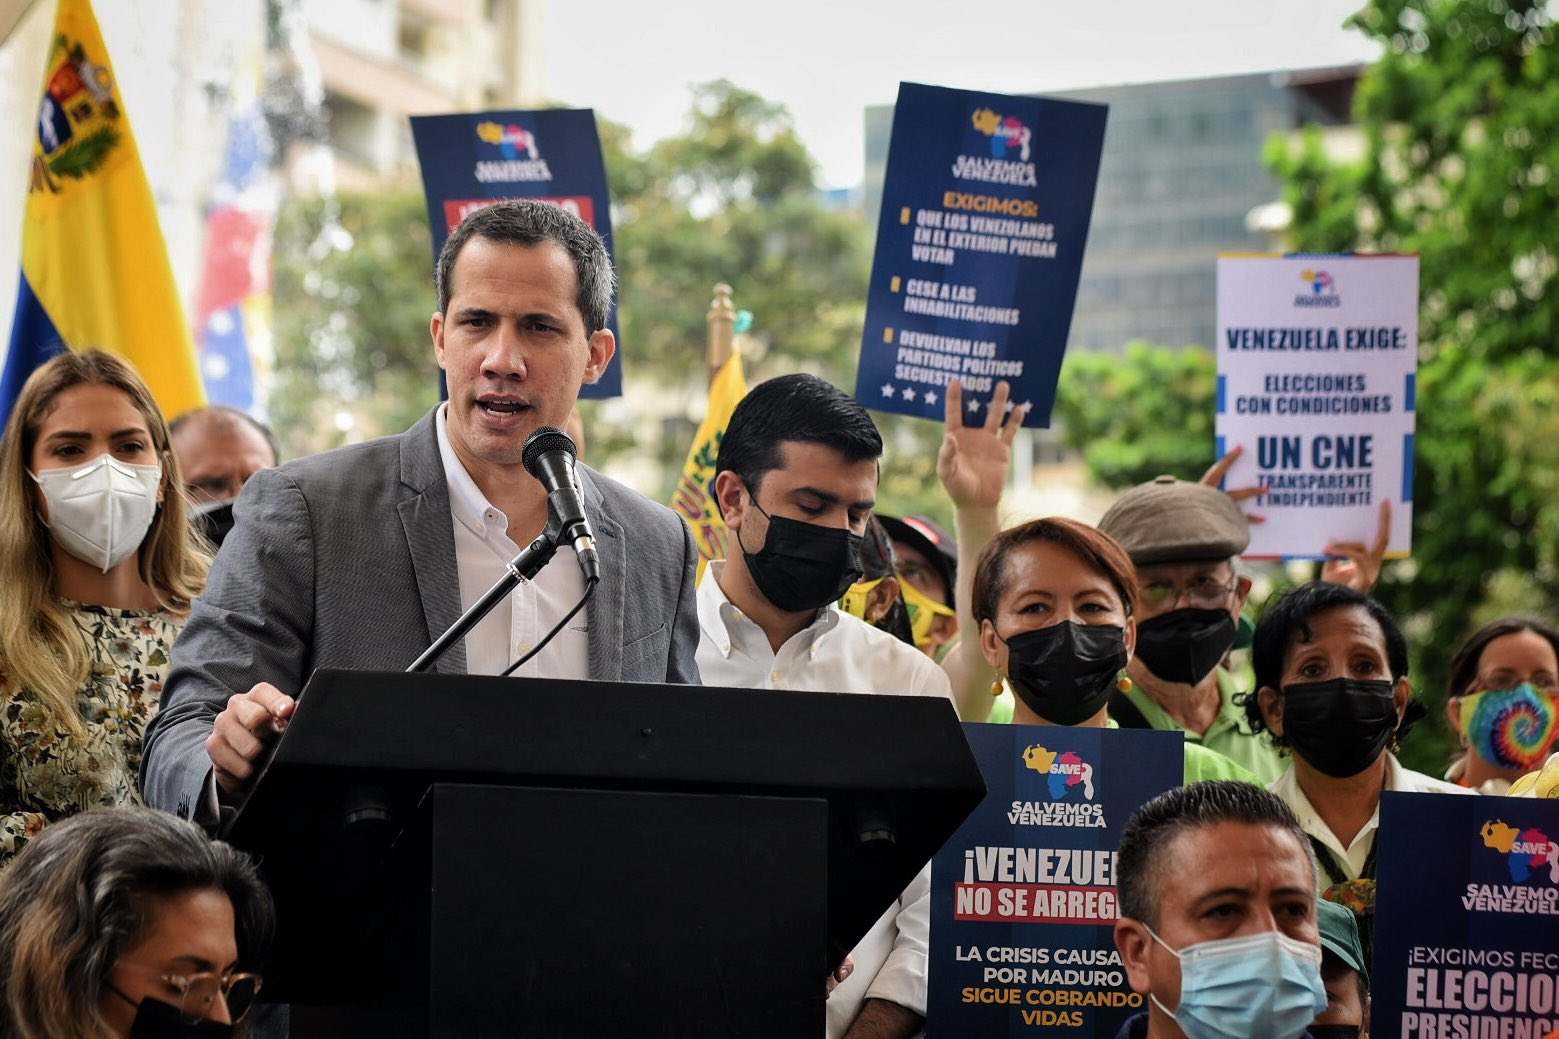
(466,500)
(1287,787)
(729,629)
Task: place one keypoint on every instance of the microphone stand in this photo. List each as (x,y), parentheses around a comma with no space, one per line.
(524,566)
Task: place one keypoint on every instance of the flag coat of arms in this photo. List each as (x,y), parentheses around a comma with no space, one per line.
(95,272)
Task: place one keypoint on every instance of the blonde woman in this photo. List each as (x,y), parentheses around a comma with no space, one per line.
(97,570)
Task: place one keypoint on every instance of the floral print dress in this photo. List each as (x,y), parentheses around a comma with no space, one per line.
(46,774)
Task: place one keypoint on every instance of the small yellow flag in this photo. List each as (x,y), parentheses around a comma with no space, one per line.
(695,496)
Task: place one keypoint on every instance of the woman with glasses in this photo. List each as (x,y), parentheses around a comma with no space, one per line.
(125,922)
(1503,703)
(98,567)
(1332,690)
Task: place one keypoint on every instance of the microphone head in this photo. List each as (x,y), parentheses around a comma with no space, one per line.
(544,441)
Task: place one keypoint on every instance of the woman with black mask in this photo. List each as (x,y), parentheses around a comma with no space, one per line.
(1332,689)
(1054,599)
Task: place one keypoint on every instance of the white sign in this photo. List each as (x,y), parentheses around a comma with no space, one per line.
(1317,363)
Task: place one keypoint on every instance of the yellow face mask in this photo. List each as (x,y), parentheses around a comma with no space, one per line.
(855,599)
(923,612)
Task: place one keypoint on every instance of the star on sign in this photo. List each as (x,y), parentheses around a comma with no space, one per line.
(909,394)
(974,405)
(1028,405)
(887,389)
(1009,407)
(930,397)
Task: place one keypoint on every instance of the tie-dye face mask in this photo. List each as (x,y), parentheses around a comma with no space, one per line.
(1511,728)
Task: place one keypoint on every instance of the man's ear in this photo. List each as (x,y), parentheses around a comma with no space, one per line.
(1134,943)
(1242,586)
(1271,708)
(436,331)
(881,599)
(730,498)
(602,346)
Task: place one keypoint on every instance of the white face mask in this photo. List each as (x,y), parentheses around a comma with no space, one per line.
(99,512)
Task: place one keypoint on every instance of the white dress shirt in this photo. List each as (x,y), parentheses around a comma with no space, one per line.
(1353,856)
(523,618)
(837,653)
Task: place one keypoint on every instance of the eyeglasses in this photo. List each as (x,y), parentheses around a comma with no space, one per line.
(1509,680)
(1207,593)
(196,994)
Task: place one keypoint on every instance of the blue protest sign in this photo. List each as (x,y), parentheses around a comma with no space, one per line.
(475,158)
(1466,917)
(985,212)
(1023,895)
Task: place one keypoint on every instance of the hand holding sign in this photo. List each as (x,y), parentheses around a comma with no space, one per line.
(1354,564)
(1215,473)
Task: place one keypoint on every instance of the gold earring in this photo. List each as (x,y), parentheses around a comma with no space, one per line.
(1124,683)
(996,688)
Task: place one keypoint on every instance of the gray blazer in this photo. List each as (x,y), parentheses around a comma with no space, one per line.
(347,560)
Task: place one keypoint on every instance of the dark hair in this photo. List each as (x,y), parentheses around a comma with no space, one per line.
(1145,843)
(876,552)
(74,901)
(1464,666)
(525,221)
(1089,544)
(799,408)
(232,414)
(1286,618)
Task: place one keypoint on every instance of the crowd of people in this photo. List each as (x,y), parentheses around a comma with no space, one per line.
(135,669)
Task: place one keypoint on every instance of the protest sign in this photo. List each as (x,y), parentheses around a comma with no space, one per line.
(1317,362)
(985,210)
(1023,895)
(472,159)
(1466,917)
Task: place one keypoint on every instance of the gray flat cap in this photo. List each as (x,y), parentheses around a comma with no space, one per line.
(1173,521)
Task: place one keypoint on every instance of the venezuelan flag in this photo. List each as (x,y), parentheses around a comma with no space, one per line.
(95,272)
(695,496)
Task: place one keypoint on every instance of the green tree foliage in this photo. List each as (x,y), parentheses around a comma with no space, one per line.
(733,199)
(1461,126)
(353,294)
(1137,415)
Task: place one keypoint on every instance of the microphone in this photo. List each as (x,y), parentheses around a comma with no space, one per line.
(549,457)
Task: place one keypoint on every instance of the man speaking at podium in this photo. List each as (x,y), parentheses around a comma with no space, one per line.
(360,557)
(796,481)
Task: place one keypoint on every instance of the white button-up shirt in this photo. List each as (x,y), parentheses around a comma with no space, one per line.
(842,654)
(523,618)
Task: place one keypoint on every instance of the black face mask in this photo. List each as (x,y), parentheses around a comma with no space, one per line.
(1185,645)
(1339,726)
(1333,1031)
(803,566)
(158,1020)
(1065,672)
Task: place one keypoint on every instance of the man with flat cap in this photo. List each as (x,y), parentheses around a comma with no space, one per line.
(1183,538)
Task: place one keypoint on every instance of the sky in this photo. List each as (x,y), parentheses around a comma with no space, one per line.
(826,60)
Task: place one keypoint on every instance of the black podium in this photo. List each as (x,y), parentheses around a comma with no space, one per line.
(469,856)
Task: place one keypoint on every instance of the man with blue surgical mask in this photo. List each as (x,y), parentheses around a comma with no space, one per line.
(1218,929)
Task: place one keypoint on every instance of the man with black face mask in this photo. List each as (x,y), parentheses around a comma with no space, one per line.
(796,481)
(1182,538)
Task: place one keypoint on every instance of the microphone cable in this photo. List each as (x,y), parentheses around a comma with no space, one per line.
(590,584)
